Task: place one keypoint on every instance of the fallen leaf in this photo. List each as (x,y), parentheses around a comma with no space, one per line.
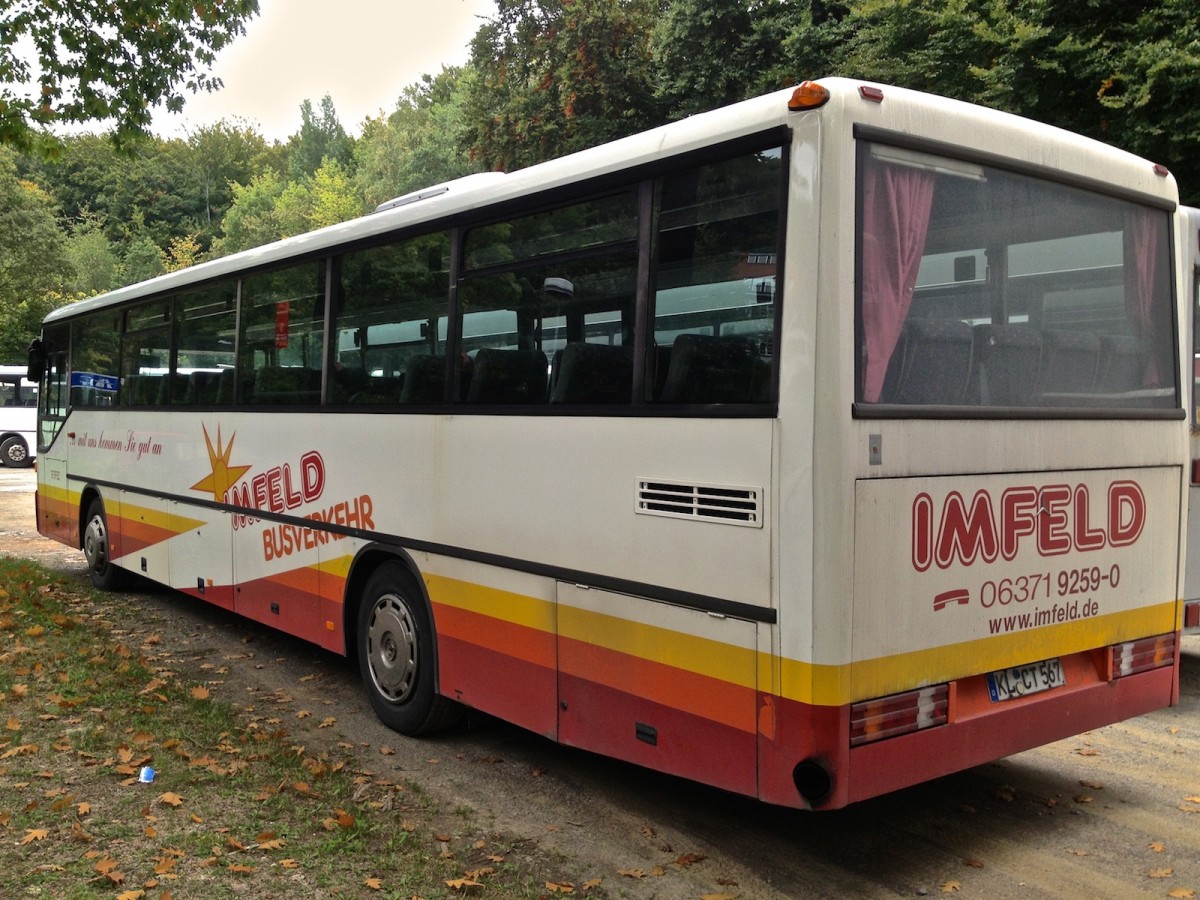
(689,859)
(1094,785)
(1157,846)
(560,888)
(1161,873)
(1181,893)
(631,873)
(951,887)
(238,867)
(973,863)
(462,884)
(170,798)
(34,834)
(375,884)
(199,692)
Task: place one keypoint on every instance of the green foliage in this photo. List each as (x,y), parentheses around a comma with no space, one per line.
(33,255)
(419,144)
(98,61)
(34,261)
(1123,73)
(143,260)
(707,55)
(252,219)
(21,322)
(556,76)
(92,257)
(319,138)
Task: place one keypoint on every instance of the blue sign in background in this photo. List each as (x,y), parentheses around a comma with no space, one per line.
(98,382)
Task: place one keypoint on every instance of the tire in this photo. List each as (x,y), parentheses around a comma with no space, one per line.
(396,658)
(14,453)
(98,552)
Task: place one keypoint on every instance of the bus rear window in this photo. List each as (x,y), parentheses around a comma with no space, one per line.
(985,289)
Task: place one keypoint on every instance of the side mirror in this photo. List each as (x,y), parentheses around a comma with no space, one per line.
(37,361)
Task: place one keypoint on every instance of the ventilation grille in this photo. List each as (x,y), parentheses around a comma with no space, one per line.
(711,502)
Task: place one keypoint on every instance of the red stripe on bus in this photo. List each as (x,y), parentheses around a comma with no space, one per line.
(634,728)
(516,689)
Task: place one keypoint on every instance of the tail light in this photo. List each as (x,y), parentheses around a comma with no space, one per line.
(875,720)
(1142,655)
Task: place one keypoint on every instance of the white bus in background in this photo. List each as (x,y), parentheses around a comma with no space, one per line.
(809,448)
(1190,263)
(18,417)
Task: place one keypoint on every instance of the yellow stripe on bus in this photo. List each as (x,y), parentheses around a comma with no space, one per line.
(836,685)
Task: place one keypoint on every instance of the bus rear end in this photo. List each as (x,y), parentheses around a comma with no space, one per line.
(1000,482)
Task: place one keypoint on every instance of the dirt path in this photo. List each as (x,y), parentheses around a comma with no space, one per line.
(1102,815)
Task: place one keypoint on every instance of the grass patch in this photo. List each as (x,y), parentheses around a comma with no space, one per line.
(237,806)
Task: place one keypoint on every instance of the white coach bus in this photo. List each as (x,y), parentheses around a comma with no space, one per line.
(809,448)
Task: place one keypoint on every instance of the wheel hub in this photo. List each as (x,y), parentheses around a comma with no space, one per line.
(392,648)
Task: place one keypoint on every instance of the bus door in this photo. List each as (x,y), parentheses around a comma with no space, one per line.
(57,516)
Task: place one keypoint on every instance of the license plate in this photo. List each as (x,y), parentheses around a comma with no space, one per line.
(1020,681)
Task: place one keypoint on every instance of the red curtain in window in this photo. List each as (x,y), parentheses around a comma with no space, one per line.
(1144,292)
(896,205)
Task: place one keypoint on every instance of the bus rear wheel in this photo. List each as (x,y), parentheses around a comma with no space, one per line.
(14,453)
(396,654)
(98,552)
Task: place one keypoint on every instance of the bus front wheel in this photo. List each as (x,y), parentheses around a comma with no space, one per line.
(14,453)
(98,552)
(396,654)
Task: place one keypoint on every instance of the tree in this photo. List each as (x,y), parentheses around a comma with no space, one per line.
(220,156)
(319,138)
(92,257)
(94,60)
(143,260)
(251,220)
(707,55)
(557,76)
(419,144)
(34,267)
(33,257)
(1122,73)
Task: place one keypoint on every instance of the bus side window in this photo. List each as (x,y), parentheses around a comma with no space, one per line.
(390,317)
(715,292)
(282,329)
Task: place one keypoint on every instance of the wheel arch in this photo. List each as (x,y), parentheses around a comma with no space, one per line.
(368,560)
(87,496)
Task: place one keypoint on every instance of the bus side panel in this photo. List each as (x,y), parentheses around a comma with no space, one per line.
(669,688)
(495,647)
(277,577)
(57,507)
(202,553)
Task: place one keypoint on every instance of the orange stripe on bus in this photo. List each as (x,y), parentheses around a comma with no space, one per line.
(526,644)
(689,692)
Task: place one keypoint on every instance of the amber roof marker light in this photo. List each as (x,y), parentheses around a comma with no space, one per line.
(808,95)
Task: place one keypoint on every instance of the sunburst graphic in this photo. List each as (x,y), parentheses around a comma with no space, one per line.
(223,476)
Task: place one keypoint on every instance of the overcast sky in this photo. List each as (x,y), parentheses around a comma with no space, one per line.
(362,53)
